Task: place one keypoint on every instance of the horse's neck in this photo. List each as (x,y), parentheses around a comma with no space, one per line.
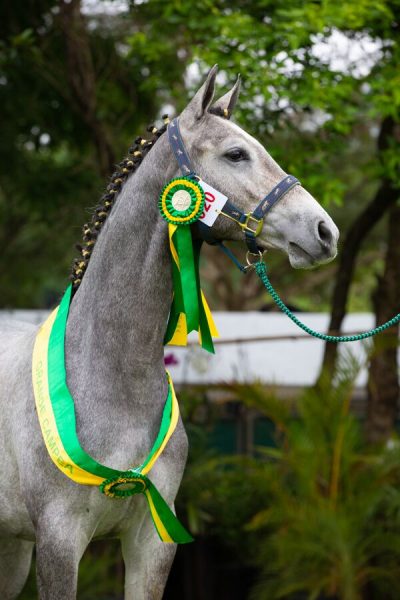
(117,320)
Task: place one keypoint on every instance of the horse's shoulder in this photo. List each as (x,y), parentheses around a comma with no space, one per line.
(16,327)
(16,339)
(13,332)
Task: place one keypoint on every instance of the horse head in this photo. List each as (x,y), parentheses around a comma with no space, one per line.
(236,164)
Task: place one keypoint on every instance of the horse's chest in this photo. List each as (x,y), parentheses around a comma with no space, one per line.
(112,517)
(120,516)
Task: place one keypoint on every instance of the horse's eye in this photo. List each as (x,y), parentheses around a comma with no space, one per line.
(236,155)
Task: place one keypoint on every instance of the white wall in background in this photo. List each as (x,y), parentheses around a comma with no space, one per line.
(292,362)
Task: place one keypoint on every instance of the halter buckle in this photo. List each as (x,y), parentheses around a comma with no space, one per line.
(251,222)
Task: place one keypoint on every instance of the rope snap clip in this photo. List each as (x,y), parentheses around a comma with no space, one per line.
(251,264)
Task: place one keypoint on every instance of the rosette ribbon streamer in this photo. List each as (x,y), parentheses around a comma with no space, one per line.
(56,412)
(181,204)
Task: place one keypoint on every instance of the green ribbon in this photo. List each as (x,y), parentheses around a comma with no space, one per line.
(190,291)
(187,298)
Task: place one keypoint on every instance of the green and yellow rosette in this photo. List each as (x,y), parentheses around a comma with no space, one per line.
(123,486)
(181,203)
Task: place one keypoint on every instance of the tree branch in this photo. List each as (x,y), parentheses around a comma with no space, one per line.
(82,79)
(384,198)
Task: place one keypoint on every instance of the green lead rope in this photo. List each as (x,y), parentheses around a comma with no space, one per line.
(261,269)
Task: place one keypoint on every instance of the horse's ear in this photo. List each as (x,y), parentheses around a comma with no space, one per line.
(201,101)
(226,104)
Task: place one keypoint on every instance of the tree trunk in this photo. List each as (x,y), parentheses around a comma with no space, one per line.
(384,198)
(383,383)
(82,79)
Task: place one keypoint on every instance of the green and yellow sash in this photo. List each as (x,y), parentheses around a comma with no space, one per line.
(56,412)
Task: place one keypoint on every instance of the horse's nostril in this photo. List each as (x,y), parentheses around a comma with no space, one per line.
(325,234)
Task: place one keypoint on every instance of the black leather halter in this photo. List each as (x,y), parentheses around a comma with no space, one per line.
(250,223)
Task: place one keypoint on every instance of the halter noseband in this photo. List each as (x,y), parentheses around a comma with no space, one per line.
(250,223)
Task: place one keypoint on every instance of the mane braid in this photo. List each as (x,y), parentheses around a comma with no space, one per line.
(91,230)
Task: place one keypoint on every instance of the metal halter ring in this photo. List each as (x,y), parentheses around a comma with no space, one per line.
(251,263)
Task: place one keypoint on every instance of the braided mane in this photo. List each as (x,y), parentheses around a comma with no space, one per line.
(91,230)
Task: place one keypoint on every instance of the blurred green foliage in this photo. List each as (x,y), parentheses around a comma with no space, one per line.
(319,513)
(315,102)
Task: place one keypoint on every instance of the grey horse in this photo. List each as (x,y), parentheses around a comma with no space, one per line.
(115,366)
